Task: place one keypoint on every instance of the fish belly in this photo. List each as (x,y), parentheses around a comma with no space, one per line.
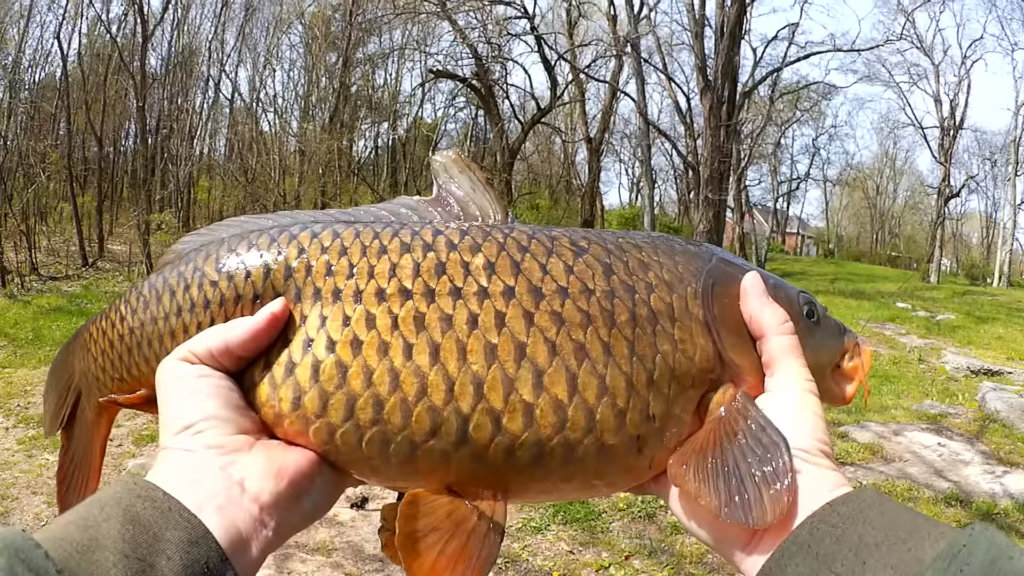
(544,363)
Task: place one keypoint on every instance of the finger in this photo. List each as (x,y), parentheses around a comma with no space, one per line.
(230,346)
(773,330)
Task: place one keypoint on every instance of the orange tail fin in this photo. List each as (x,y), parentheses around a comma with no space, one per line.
(83,445)
(84,424)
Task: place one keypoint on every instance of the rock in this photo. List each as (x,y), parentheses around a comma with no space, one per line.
(942,317)
(1004,402)
(923,314)
(936,458)
(933,407)
(961,365)
(888,328)
(903,305)
(911,341)
(900,333)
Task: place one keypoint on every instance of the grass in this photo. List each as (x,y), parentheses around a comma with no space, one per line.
(847,451)
(622,535)
(988,321)
(36,323)
(149,434)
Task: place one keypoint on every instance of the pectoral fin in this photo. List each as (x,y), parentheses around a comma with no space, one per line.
(445,534)
(144,400)
(737,464)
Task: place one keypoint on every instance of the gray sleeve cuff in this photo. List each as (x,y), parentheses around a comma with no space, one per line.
(132,527)
(861,532)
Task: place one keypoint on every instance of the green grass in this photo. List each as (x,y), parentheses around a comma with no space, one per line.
(622,535)
(989,321)
(35,324)
(34,443)
(148,434)
(847,451)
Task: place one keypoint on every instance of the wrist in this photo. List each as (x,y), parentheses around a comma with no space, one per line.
(221,502)
(824,486)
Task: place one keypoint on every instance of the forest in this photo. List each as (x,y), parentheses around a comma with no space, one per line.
(855,125)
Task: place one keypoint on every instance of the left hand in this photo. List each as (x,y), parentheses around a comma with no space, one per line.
(253,492)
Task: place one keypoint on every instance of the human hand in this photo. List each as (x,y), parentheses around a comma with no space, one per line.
(251,491)
(791,401)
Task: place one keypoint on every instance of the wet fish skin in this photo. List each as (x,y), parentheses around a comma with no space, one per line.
(544,363)
(540,363)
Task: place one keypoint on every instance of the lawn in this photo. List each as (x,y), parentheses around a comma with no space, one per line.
(626,534)
(989,322)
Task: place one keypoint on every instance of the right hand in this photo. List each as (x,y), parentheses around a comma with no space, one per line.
(792,403)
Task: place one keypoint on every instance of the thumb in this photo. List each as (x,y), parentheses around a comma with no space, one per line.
(775,335)
(230,346)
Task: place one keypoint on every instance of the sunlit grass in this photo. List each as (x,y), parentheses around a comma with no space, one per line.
(989,321)
(35,324)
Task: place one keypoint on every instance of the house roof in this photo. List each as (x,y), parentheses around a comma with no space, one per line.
(763,215)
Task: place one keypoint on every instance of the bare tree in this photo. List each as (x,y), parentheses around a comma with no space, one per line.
(938,48)
(723,95)
(983,154)
(1009,30)
(502,27)
(594,140)
(835,161)
(634,14)
(144,172)
(69,133)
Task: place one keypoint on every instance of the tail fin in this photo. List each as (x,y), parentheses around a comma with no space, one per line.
(84,424)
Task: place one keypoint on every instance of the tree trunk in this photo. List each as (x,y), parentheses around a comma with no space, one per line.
(935,237)
(718,84)
(83,256)
(643,132)
(1008,224)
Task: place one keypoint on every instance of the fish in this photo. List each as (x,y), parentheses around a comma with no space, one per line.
(440,349)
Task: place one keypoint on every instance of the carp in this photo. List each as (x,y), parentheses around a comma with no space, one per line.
(438,349)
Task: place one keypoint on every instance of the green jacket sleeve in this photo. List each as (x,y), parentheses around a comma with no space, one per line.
(21,555)
(866,532)
(130,527)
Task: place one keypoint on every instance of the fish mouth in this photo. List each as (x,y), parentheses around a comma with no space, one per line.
(851,372)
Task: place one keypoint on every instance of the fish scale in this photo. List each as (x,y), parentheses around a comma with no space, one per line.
(442,353)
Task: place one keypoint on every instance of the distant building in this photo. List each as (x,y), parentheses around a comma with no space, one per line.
(799,236)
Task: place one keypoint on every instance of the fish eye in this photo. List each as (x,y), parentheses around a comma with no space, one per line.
(811,312)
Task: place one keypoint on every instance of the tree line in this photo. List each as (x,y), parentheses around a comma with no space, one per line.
(125,124)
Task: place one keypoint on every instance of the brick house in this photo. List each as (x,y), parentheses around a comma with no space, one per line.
(799,236)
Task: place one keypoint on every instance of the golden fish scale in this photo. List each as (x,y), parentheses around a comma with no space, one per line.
(541,362)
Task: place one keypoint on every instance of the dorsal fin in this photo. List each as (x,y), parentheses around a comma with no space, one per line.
(462,193)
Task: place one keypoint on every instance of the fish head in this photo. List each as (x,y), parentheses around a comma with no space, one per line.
(838,359)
